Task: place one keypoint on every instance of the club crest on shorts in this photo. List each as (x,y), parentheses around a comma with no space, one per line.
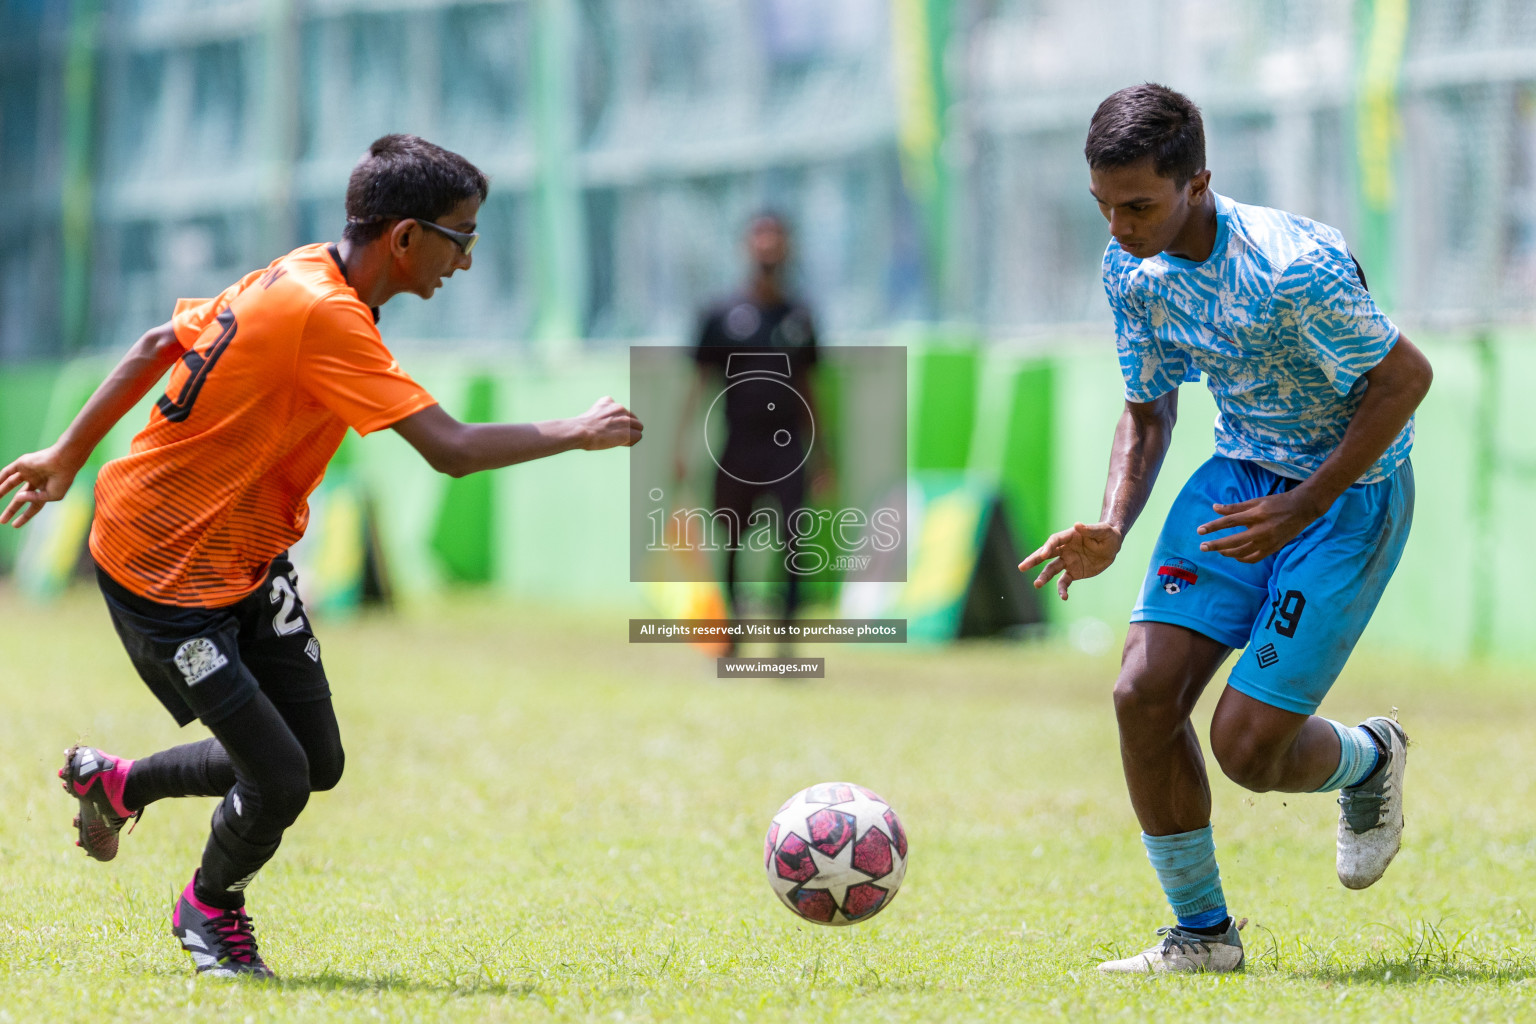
(1176,574)
(198,659)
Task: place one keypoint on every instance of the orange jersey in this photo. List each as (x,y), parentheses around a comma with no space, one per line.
(276,369)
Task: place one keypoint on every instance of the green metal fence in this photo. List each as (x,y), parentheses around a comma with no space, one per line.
(929,151)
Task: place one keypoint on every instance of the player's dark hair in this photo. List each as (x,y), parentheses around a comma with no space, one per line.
(406,176)
(1148,120)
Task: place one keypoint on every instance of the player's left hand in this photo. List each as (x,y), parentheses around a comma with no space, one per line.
(43,477)
(1269,524)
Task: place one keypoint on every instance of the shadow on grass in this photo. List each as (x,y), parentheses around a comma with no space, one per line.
(1407,972)
(330,981)
(1427,951)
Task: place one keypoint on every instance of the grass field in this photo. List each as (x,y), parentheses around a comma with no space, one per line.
(541,822)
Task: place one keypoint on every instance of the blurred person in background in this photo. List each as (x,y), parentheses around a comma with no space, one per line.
(746,340)
(1312,493)
(192,528)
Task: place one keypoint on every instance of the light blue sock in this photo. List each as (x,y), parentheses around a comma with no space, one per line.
(1358,754)
(1186,869)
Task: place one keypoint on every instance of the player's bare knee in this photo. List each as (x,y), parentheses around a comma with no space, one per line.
(1245,759)
(1145,704)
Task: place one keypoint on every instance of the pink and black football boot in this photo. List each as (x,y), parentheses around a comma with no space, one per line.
(96,779)
(222,942)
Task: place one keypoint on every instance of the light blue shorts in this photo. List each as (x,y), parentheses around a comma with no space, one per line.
(1300,611)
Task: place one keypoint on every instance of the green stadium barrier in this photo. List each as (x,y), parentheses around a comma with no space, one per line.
(563,524)
(1087,379)
(1027,471)
(1502,566)
(1430,608)
(464,536)
(1012,440)
(25,390)
(943,379)
(52,549)
(961,580)
(992,413)
(405,496)
(559,526)
(340,559)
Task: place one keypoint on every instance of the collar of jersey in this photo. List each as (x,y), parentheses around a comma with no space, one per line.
(335,254)
(1223,230)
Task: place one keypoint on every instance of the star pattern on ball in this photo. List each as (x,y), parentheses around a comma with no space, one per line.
(867,867)
(836,874)
(864,808)
(793,817)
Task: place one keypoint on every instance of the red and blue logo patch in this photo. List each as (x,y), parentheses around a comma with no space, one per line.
(1176,574)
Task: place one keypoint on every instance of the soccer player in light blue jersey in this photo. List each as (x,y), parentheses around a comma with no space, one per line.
(1280,545)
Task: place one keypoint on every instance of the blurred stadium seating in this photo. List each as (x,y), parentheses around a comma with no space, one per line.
(928,151)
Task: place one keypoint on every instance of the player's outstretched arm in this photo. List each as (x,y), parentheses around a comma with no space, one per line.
(459,449)
(46,475)
(1141,441)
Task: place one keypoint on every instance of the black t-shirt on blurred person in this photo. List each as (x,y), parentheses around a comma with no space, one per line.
(772,347)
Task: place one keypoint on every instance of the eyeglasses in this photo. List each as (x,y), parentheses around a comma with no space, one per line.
(465,241)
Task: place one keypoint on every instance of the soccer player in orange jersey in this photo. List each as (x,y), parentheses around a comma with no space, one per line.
(192,527)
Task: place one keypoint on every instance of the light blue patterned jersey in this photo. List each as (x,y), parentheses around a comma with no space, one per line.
(1279,322)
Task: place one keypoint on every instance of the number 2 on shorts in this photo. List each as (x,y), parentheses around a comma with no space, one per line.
(285,622)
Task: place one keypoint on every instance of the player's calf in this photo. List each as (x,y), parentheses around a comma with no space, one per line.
(1267,749)
(1248,761)
(96,779)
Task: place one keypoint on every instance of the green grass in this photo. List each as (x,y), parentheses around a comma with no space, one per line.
(541,822)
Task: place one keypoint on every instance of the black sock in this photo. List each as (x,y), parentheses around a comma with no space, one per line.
(216,897)
(230,860)
(1214,932)
(192,769)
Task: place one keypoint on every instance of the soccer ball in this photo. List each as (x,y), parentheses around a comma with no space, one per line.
(835,853)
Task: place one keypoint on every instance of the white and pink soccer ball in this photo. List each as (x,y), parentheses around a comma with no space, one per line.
(836,853)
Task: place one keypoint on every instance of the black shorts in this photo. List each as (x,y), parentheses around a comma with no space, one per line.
(206,663)
(740,496)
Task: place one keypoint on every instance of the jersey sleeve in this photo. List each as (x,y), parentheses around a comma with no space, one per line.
(1322,299)
(1151,366)
(344,366)
(193,315)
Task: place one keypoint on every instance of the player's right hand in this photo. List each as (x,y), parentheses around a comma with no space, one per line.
(609,425)
(43,477)
(1075,554)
